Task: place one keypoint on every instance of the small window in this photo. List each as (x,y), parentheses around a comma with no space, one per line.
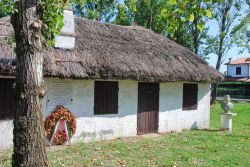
(190,94)
(7,99)
(106,98)
(238,70)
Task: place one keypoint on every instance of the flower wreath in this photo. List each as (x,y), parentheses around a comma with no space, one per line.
(51,123)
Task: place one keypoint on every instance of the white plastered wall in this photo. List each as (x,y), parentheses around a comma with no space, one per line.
(244,70)
(92,127)
(171,115)
(99,127)
(6,133)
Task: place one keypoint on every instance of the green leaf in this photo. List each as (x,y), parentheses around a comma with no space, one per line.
(172,2)
(208,13)
(191,17)
(201,26)
(171,31)
(185,2)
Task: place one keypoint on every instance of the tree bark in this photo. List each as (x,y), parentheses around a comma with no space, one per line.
(29,143)
(150,17)
(196,35)
(196,31)
(214,93)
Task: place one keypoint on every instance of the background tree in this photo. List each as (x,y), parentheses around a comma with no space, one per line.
(227,14)
(241,32)
(187,19)
(122,16)
(2,13)
(6,7)
(146,13)
(182,21)
(100,10)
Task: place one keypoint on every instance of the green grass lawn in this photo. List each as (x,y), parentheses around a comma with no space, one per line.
(188,148)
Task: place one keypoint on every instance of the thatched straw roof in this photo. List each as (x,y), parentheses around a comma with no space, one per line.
(107,51)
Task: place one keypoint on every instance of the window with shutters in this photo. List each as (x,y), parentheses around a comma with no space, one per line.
(190,95)
(238,70)
(7,99)
(106,97)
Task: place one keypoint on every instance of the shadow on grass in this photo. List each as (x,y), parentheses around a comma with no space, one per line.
(234,101)
(209,130)
(213,130)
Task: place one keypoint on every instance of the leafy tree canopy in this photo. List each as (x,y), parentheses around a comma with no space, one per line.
(52,15)
(101,10)
(183,21)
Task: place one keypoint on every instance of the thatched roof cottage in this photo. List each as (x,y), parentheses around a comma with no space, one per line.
(118,81)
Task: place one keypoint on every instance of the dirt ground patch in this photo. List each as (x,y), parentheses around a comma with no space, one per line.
(56,148)
(153,136)
(2,152)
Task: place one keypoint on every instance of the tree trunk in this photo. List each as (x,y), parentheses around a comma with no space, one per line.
(215,85)
(196,35)
(149,22)
(224,12)
(150,19)
(29,146)
(214,93)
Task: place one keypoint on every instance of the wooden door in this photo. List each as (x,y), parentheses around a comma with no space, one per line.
(7,99)
(148,108)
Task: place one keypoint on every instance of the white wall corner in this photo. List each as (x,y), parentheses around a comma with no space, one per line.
(66,39)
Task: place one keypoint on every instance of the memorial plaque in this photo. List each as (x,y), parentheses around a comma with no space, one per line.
(59,93)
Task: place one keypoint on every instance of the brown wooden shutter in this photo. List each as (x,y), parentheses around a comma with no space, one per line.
(7,99)
(106,97)
(190,95)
